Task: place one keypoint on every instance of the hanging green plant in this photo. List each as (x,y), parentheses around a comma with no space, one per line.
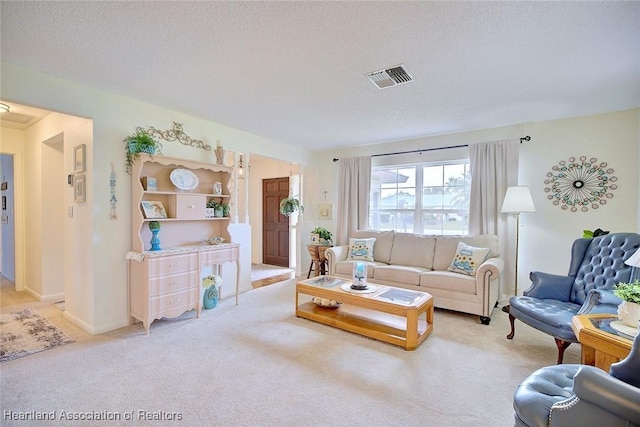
(139,142)
(290,205)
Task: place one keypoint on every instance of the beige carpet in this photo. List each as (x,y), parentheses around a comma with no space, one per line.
(256,364)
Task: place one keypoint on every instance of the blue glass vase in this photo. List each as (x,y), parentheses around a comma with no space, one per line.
(155,240)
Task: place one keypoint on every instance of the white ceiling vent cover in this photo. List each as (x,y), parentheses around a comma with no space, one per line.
(390,77)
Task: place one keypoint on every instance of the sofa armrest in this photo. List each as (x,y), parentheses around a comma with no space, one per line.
(491,268)
(334,255)
(599,396)
(549,286)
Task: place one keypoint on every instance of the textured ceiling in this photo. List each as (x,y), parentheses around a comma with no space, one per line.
(295,71)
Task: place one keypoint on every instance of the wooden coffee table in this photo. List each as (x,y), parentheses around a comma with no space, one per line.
(601,345)
(393,315)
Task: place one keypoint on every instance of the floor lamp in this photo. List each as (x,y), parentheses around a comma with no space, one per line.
(517,200)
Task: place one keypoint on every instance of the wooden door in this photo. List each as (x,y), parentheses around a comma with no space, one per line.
(275,226)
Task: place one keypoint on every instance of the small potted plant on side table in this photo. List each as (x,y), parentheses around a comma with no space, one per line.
(629,310)
(324,234)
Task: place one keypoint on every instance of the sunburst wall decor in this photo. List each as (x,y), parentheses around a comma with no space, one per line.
(580,183)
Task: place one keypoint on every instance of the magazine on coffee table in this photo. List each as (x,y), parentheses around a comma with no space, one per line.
(400,296)
(325,282)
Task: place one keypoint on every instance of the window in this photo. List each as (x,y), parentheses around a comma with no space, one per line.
(426,198)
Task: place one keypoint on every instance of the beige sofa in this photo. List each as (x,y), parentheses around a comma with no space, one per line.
(420,262)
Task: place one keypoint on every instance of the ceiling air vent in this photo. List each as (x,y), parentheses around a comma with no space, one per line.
(390,77)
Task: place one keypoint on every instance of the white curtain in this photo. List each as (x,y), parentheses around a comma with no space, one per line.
(494,167)
(354,184)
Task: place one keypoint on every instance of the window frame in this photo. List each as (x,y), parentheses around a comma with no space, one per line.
(418,211)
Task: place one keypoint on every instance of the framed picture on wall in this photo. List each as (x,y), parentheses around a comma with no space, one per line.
(325,211)
(79,158)
(79,189)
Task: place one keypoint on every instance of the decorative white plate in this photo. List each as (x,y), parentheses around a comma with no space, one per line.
(184,179)
(624,328)
(347,288)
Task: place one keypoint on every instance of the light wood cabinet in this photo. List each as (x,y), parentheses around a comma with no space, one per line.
(167,282)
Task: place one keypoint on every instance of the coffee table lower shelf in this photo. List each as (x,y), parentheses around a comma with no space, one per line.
(370,323)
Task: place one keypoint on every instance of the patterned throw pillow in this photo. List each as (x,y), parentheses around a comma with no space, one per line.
(468,259)
(361,249)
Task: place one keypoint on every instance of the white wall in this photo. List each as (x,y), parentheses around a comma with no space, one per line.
(546,236)
(102,267)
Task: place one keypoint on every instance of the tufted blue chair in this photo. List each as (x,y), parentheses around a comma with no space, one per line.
(551,301)
(580,395)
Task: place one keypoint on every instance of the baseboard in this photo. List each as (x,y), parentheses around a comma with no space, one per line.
(91,329)
(45,298)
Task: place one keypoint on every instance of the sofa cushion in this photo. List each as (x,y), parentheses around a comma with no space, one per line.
(384,243)
(399,273)
(449,281)
(414,250)
(361,249)
(468,259)
(446,247)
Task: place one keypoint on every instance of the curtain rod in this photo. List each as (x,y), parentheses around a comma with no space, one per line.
(524,138)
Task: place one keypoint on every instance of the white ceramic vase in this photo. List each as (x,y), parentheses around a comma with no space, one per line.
(629,313)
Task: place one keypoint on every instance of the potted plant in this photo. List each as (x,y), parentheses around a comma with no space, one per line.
(629,310)
(324,234)
(218,208)
(139,142)
(226,209)
(290,205)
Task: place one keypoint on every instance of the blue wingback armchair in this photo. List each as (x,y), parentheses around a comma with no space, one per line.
(551,301)
(580,395)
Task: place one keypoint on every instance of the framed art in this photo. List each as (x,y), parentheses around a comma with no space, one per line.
(153,209)
(79,158)
(79,189)
(325,211)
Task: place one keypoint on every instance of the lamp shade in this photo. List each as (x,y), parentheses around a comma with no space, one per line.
(634,260)
(518,199)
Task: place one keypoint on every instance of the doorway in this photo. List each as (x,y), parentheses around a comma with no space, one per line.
(275,228)
(7,229)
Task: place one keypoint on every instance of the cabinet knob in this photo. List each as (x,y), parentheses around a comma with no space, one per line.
(192,206)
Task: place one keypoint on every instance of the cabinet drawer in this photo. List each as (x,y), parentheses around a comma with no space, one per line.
(172,265)
(176,303)
(173,283)
(190,206)
(218,256)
